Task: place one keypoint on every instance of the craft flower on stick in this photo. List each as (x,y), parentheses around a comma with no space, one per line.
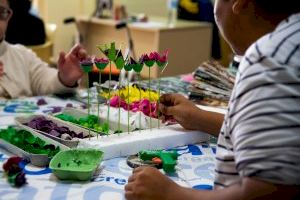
(120,61)
(109,52)
(101,63)
(130,64)
(145,59)
(137,66)
(113,54)
(87,65)
(154,56)
(162,60)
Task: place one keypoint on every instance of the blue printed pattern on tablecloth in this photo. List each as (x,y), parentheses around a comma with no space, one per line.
(195,169)
(11,108)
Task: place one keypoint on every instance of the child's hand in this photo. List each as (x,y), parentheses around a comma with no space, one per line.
(1,69)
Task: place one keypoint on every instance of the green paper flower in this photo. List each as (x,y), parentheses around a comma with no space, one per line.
(128,67)
(149,63)
(131,64)
(112,52)
(138,67)
(161,64)
(87,65)
(120,62)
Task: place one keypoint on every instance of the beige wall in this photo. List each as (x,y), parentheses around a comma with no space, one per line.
(149,7)
(55,11)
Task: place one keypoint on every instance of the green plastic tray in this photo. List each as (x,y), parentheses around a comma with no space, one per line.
(76,164)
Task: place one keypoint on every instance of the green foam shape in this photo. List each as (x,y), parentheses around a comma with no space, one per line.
(112,52)
(120,62)
(86,68)
(138,67)
(161,64)
(149,63)
(101,66)
(128,67)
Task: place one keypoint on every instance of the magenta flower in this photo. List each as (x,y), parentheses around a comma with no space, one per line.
(163,60)
(87,61)
(114,102)
(101,60)
(144,58)
(164,57)
(154,56)
(134,106)
(143,106)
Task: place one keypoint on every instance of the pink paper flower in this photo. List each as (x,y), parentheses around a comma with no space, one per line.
(164,57)
(114,102)
(143,106)
(101,60)
(154,56)
(86,62)
(134,107)
(144,58)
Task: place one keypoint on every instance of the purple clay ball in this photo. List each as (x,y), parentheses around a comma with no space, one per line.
(41,102)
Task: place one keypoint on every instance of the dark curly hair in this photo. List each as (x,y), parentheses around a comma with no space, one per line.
(279,6)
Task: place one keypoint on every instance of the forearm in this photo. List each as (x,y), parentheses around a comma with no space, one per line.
(210,122)
(69,84)
(231,193)
(248,189)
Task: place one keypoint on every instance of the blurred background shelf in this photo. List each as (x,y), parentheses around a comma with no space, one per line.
(191,40)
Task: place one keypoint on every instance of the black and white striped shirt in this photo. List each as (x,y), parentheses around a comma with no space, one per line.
(260,136)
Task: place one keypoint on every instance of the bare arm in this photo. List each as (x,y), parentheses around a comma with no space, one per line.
(249,188)
(148,183)
(189,115)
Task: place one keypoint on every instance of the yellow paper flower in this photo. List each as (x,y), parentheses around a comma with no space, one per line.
(134,94)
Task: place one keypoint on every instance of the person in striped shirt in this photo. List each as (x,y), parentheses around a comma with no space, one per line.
(258,154)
